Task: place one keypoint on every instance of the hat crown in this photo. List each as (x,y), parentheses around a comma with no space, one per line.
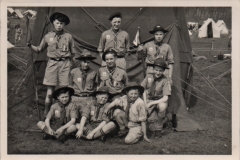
(160,62)
(103,89)
(86,53)
(156,28)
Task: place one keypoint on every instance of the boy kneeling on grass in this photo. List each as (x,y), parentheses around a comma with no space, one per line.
(94,122)
(61,118)
(135,113)
(156,96)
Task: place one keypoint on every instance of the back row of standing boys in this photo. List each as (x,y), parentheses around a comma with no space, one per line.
(98,104)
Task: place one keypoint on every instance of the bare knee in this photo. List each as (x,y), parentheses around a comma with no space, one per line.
(162,106)
(78,125)
(117,112)
(130,139)
(71,128)
(41,124)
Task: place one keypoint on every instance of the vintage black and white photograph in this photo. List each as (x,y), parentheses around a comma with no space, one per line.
(115,80)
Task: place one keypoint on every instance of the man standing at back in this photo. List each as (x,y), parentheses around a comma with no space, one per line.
(115,38)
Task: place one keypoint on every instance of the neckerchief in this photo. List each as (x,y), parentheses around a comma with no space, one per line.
(84,76)
(115,37)
(111,72)
(129,102)
(153,86)
(98,106)
(63,117)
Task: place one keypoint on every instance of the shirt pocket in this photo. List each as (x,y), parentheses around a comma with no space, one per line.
(159,90)
(149,82)
(104,75)
(117,81)
(90,81)
(57,114)
(52,46)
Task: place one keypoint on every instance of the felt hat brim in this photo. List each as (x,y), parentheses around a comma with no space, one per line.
(62,14)
(57,91)
(127,88)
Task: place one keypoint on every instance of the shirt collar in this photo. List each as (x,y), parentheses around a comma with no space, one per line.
(63,105)
(158,43)
(115,31)
(58,32)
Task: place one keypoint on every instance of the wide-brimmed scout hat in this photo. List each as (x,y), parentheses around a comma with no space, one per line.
(103,89)
(59,14)
(133,85)
(110,50)
(57,91)
(86,55)
(158,28)
(115,14)
(159,62)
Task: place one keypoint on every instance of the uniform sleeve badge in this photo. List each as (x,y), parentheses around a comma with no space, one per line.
(79,79)
(51,39)
(92,113)
(149,80)
(104,74)
(107,36)
(150,49)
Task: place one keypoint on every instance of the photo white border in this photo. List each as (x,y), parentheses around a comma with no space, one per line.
(137,3)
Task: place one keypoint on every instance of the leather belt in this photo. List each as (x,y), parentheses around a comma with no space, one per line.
(155,97)
(82,95)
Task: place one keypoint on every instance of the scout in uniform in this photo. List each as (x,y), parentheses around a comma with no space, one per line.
(158,49)
(115,38)
(83,80)
(135,112)
(18,34)
(60,50)
(156,97)
(94,122)
(112,76)
(60,120)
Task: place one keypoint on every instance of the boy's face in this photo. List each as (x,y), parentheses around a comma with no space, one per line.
(158,71)
(84,64)
(102,98)
(63,98)
(58,25)
(110,59)
(158,36)
(133,94)
(116,23)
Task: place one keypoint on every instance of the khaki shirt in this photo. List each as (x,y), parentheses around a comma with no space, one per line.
(56,113)
(76,81)
(153,51)
(90,113)
(62,48)
(161,89)
(137,111)
(107,41)
(115,84)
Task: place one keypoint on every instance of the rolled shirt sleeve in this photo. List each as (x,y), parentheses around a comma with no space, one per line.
(166,91)
(72,45)
(73,112)
(142,113)
(101,43)
(170,56)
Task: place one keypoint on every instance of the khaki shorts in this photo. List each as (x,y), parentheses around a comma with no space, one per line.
(57,73)
(135,129)
(120,62)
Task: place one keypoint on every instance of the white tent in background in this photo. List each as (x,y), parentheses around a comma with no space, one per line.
(189,32)
(32,14)
(223,28)
(9,45)
(19,14)
(209,29)
(10,10)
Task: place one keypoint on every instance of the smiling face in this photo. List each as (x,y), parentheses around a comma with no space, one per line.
(110,60)
(84,64)
(116,23)
(102,98)
(158,35)
(63,98)
(58,26)
(158,71)
(133,94)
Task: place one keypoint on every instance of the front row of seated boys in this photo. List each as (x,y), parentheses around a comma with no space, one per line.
(140,108)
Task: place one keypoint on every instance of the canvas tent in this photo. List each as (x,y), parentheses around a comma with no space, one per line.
(209,29)
(30,13)
(222,26)
(88,23)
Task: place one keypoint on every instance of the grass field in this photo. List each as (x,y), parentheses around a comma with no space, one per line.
(216,138)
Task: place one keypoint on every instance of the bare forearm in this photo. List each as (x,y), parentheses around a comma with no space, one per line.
(143,124)
(35,49)
(82,123)
(162,100)
(47,122)
(170,71)
(69,123)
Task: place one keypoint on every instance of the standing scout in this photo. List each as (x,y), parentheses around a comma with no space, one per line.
(60,50)
(111,75)
(60,120)
(156,97)
(135,112)
(83,80)
(94,122)
(158,49)
(115,38)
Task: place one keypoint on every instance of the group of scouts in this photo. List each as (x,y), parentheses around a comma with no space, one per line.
(99,104)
